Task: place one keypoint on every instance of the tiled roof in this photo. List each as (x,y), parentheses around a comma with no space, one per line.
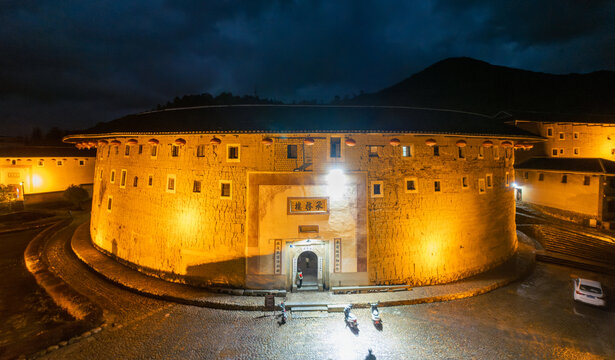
(44,151)
(307,118)
(539,116)
(584,165)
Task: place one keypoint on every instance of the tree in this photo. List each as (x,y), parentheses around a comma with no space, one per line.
(76,195)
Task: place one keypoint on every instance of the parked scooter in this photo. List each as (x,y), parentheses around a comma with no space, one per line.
(283,313)
(350,318)
(375,314)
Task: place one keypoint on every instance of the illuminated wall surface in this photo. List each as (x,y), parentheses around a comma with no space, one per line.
(46,174)
(567,139)
(196,234)
(580,193)
(585,193)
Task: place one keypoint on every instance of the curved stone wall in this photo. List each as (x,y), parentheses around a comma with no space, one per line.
(420,237)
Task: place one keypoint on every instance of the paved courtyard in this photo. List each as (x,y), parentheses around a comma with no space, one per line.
(533,319)
(530,319)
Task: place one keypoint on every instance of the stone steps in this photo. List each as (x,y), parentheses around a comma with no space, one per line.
(308,288)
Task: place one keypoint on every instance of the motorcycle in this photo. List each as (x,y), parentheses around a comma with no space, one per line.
(375,313)
(350,318)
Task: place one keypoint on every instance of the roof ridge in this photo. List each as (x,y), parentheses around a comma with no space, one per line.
(318,106)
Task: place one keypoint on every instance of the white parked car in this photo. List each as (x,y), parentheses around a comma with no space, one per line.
(589,292)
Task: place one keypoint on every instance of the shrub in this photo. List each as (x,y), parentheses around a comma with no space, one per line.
(76,195)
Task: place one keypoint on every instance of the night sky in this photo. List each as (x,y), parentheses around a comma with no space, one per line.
(72,64)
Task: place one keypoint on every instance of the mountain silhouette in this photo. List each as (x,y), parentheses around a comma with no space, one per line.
(477,86)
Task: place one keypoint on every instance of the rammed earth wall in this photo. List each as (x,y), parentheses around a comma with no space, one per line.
(421,237)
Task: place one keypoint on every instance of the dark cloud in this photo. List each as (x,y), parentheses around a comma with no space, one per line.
(74,63)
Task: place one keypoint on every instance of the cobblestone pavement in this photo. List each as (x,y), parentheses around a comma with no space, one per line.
(533,319)
(118,305)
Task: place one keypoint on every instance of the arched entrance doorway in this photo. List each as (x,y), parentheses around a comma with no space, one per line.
(307,262)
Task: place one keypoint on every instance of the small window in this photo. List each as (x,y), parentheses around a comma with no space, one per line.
(112,176)
(541,177)
(507,180)
(41,163)
(58,163)
(225,189)
(406,151)
(411,185)
(481,186)
(549,132)
(464,182)
(377,189)
(436,150)
(489,178)
(123,179)
(196,186)
(150,180)
(135,181)
(554,152)
(171,183)
(232,153)
(481,152)
(109,203)
(81,162)
(496,152)
(100,174)
(126,150)
(526,175)
(461,151)
(564,179)
(335,148)
(140,149)
(575,151)
(575,135)
(174,150)
(200,150)
(291,151)
(154,150)
(561,151)
(562,136)
(436,186)
(373,151)
(586,180)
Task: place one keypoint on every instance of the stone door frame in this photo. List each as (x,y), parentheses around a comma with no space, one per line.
(321,249)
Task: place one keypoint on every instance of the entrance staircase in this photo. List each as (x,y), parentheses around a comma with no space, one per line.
(305,288)
(572,248)
(307,310)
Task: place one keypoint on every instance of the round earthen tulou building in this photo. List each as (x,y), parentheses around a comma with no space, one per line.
(246,196)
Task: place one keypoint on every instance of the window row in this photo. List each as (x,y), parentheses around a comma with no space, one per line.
(560,151)
(233,151)
(562,135)
(563,179)
(411,185)
(225,185)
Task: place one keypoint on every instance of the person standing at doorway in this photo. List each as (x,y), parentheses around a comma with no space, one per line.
(299,278)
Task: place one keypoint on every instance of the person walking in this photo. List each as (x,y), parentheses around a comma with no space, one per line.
(299,279)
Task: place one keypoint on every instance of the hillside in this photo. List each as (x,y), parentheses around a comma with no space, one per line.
(473,85)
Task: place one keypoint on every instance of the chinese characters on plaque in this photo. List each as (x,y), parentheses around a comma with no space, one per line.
(338,255)
(277,257)
(308,205)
